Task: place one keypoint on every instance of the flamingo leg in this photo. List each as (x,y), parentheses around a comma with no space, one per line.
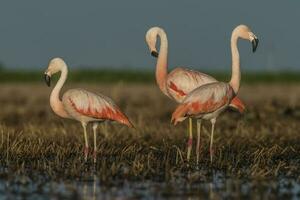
(86,147)
(95,126)
(211,151)
(190,140)
(199,121)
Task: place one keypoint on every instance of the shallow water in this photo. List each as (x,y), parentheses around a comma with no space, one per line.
(218,187)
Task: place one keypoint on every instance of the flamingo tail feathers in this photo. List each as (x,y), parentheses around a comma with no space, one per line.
(123,119)
(237,104)
(180,113)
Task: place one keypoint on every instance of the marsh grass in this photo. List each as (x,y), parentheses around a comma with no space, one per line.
(140,75)
(262,144)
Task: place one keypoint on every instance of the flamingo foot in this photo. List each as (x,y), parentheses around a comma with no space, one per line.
(95,156)
(211,152)
(198,155)
(86,152)
(189,144)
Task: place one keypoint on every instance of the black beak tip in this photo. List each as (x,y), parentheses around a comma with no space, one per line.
(154,54)
(254,44)
(47,80)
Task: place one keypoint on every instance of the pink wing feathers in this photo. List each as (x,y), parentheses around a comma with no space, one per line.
(203,100)
(182,81)
(95,106)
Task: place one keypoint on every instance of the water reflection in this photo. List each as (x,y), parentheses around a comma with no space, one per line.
(217,186)
(89,188)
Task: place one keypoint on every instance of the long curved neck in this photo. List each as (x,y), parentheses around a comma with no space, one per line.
(55,101)
(162,62)
(236,73)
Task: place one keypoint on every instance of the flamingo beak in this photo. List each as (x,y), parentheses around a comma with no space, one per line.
(47,79)
(254,44)
(154,54)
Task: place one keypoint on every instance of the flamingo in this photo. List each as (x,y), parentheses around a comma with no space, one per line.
(209,100)
(81,105)
(180,81)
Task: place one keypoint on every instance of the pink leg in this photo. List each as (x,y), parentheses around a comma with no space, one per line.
(198,140)
(95,125)
(190,141)
(86,148)
(86,152)
(211,151)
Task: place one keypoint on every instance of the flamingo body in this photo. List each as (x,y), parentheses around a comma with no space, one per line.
(85,106)
(205,102)
(180,82)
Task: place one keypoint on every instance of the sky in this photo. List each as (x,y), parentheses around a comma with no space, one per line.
(111,33)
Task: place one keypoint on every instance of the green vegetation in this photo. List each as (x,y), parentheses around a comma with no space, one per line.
(140,76)
(79,76)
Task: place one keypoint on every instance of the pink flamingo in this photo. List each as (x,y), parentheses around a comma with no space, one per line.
(209,100)
(179,82)
(81,105)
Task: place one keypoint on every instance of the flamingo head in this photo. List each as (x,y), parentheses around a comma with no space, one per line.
(151,38)
(245,33)
(55,65)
